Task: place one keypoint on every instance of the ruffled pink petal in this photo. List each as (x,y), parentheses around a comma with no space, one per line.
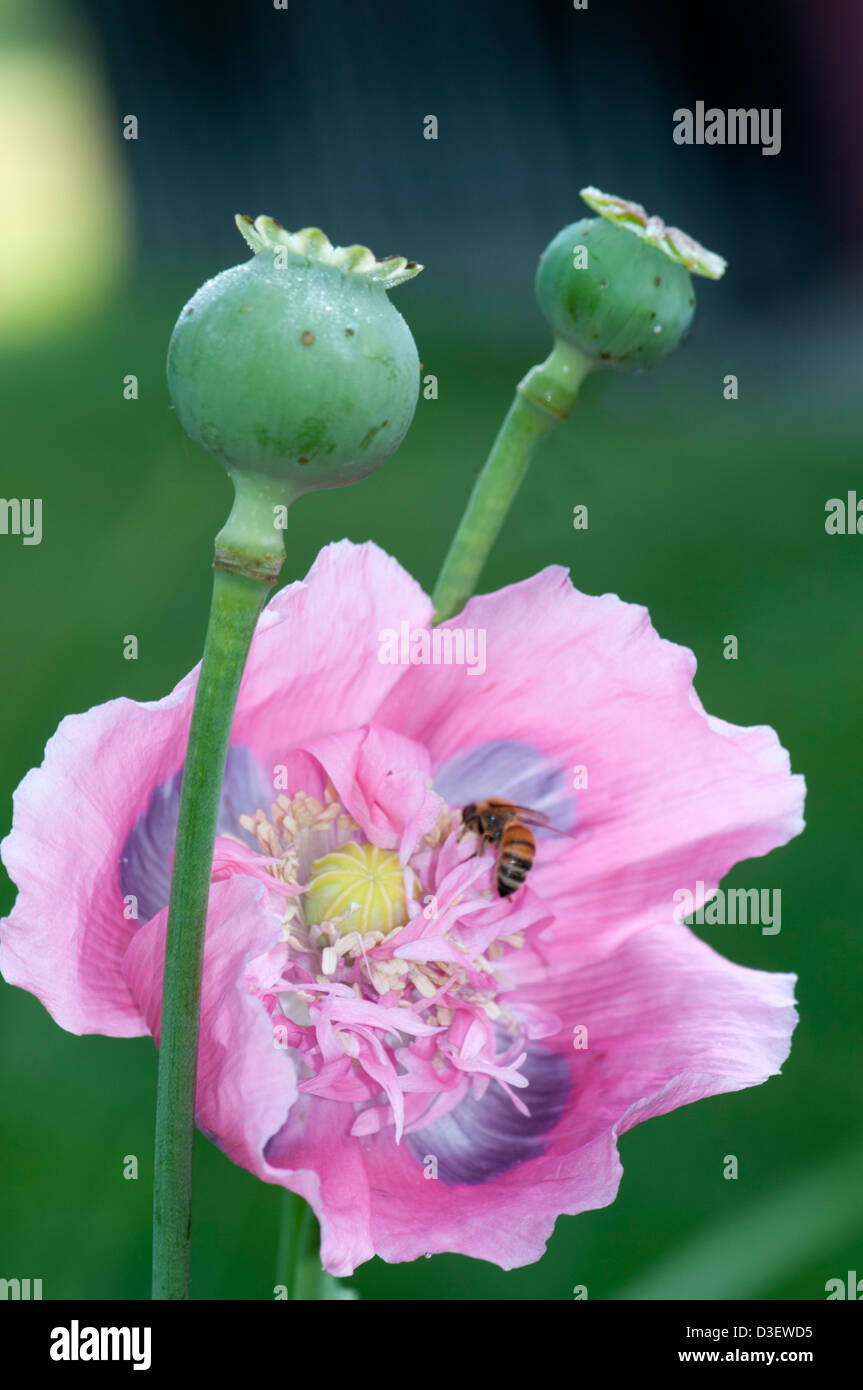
(313,669)
(246,1084)
(315,1155)
(674,796)
(669,1022)
(65,938)
(383,780)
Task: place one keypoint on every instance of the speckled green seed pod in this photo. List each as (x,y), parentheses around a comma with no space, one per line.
(295,367)
(628,307)
(617,287)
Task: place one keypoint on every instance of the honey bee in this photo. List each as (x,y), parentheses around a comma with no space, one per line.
(506,825)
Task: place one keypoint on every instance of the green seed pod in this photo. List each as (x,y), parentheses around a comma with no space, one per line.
(295,366)
(617,287)
(296,372)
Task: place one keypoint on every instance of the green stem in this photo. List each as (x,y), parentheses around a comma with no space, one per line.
(298,1263)
(237,602)
(542,400)
(299,1257)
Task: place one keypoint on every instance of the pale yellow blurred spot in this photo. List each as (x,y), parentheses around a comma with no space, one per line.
(63,205)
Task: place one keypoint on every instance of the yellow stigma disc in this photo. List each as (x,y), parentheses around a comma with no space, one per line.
(363,876)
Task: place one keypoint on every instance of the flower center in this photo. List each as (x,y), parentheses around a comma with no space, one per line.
(362,880)
(398,1009)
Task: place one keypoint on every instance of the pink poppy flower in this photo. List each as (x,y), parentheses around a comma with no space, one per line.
(383,1032)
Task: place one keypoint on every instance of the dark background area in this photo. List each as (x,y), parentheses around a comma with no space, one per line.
(321,107)
(710,512)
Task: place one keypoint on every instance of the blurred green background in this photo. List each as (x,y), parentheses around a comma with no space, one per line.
(710,512)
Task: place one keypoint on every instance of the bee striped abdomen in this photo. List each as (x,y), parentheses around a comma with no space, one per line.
(505,825)
(517,853)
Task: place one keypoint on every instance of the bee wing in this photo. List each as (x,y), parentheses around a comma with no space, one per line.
(529,817)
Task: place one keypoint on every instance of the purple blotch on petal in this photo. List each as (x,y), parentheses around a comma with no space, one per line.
(481,1139)
(513,770)
(145,864)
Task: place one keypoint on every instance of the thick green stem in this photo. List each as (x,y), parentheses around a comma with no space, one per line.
(543,400)
(237,602)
